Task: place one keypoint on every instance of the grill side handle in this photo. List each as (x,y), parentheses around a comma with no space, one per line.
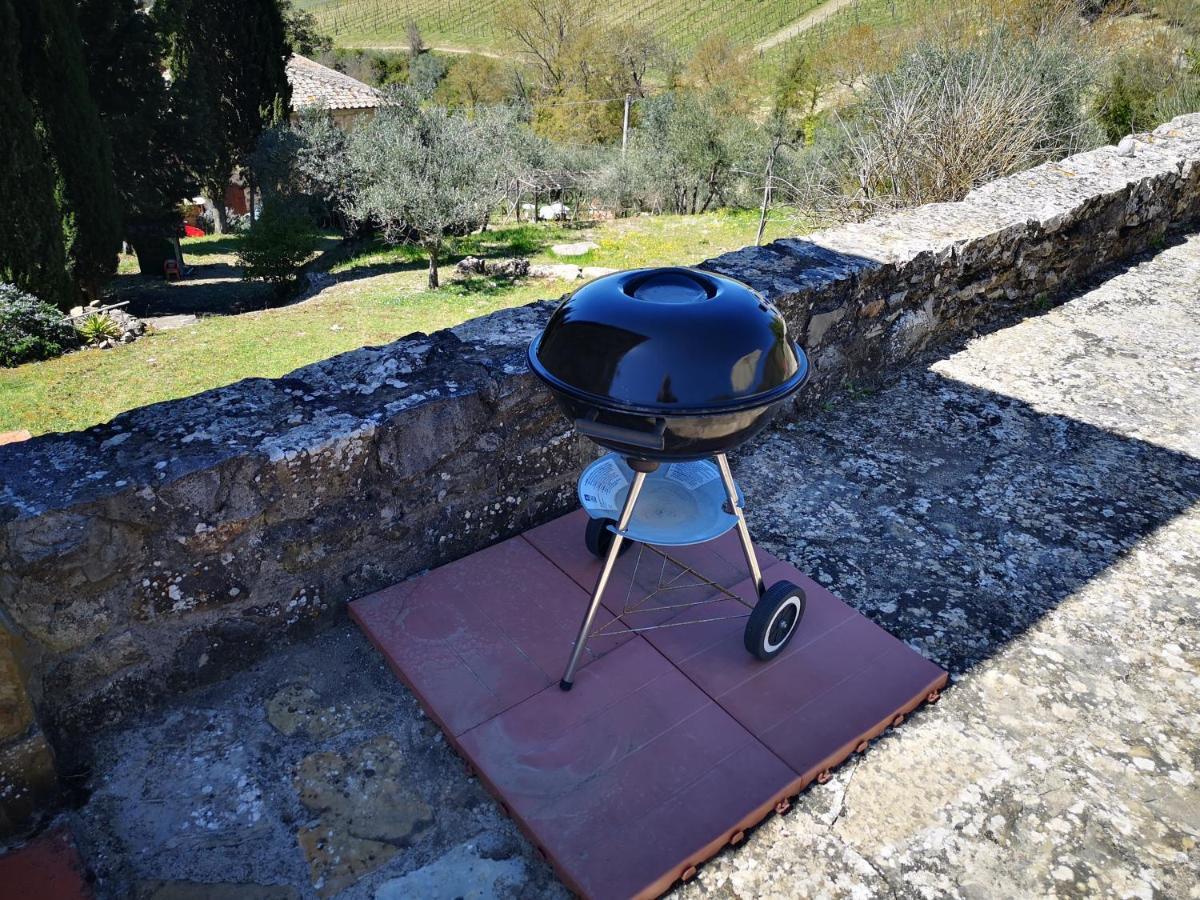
(648,440)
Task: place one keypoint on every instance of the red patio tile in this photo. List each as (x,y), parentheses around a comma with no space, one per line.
(595,783)
(476,636)
(821,733)
(713,654)
(47,868)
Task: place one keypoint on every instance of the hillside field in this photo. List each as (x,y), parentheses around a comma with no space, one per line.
(478,24)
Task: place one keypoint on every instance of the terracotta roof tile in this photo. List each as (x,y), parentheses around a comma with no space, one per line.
(315,85)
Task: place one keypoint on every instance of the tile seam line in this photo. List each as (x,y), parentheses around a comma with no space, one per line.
(811,640)
(844,623)
(568,576)
(715,702)
(588,717)
(751,737)
(754,737)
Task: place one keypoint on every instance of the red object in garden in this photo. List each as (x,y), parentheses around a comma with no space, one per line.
(171,270)
(673,742)
(192,231)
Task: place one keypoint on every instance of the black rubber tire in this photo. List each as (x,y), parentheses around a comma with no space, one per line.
(774,620)
(598,538)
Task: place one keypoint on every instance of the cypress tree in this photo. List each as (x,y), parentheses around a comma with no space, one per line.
(31,239)
(228,61)
(123,54)
(53,70)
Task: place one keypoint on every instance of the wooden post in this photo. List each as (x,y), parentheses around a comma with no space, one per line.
(625,126)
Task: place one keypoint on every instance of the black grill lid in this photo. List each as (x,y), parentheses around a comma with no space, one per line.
(676,341)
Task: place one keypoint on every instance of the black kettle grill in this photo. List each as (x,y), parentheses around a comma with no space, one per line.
(672,366)
(668,364)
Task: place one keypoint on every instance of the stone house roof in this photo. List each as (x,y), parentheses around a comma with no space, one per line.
(315,85)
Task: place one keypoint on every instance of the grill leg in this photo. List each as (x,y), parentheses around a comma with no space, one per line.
(609,561)
(742,530)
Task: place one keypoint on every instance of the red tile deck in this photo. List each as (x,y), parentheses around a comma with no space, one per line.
(47,868)
(672,742)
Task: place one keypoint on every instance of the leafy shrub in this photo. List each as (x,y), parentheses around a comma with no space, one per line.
(235,223)
(31,330)
(377,67)
(424,74)
(280,242)
(1146,86)
(98,327)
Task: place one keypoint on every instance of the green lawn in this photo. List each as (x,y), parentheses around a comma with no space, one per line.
(377,298)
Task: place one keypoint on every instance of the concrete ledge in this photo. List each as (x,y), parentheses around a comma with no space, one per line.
(182,540)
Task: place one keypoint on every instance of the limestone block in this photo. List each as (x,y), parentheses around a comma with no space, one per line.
(28,783)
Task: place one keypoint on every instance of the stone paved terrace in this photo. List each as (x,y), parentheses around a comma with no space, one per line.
(1024,510)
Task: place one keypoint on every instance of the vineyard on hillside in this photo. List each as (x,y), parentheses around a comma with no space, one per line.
(480,23)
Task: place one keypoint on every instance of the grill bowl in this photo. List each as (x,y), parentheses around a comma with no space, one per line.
(678,438)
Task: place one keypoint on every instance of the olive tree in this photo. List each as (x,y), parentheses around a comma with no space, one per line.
(422,173)
(688,152)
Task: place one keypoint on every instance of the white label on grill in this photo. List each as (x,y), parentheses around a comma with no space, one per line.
(601,484)
(693,475)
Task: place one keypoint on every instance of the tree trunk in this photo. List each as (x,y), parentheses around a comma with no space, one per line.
(766,196)
(712,191)
(220,220)
(215,194)
(432,250)
(151,252)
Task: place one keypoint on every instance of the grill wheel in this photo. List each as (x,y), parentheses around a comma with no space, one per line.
(598,538)
(774,619)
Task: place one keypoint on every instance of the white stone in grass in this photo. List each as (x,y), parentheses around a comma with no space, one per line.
(579,248)
(563,272)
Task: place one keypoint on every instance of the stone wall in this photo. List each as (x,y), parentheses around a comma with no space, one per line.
(183,540)
(27,777)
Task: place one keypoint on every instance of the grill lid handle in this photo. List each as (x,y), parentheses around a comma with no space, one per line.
(647,440)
